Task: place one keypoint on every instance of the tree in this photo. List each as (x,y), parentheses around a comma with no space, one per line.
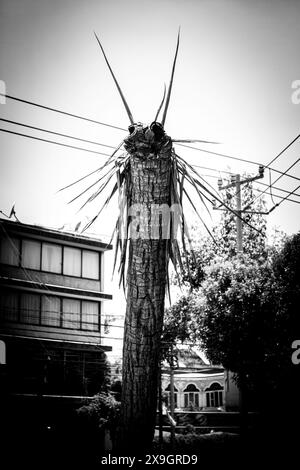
(151,183)
(235,316)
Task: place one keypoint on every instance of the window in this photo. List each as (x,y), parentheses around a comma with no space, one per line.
(71,313)
(9,306)
(72,261)
(31,254)
(89,315)
(50,314)
(10,251)
(51,257)
(49,310)
(191,396)
(90,264)
(30,308)
(214,395)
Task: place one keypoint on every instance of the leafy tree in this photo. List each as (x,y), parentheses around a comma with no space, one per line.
(235,316)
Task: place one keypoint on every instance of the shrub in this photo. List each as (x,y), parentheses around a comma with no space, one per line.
(101,412)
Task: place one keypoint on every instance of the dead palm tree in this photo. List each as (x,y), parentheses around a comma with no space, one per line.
(150,178)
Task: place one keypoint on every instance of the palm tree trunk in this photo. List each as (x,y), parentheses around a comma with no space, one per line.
(146,283)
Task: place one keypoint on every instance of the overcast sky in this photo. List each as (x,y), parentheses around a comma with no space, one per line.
(233,84)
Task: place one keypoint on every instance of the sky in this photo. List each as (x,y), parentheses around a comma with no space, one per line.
(237,63)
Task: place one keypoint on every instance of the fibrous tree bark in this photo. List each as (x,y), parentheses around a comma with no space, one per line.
(149,190)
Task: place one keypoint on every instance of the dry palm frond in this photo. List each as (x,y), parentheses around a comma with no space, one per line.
(150,142)
(183,176)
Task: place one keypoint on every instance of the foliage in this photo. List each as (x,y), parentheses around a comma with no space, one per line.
(179,320)
(199,444)
(245,315)
(235,316)
(101,412)
(286,295)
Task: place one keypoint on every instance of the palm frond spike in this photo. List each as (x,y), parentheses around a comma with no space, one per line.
(116,82)
(171,82)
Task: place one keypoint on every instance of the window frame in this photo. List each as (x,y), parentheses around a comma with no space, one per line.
(62,246)
(22,240)
(215,395)
(190,397)
(61,261)
(12,238)
(96,326)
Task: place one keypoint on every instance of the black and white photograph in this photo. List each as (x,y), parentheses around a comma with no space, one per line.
(149,233)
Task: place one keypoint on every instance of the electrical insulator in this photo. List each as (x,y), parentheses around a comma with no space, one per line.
(220,183)
(261,170)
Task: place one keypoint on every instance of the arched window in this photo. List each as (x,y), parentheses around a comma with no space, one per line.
(214,395)
(191,396)
(168,392)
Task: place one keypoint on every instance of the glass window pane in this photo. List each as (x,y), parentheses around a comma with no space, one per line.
(50,310)
(30,308)
(207,400)
(90,264)
(10,251)
(186,400)
(9,306)
(31,254)
(51,257)
(90,316)
(72,261)
(71,313)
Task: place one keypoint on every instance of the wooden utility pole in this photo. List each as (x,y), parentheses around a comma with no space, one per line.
(237,183)
(172,400)
(239,227)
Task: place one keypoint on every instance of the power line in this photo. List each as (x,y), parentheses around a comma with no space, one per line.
(106,154)
(230,173)
(56,133)
(282,151)
(280,197)
(270,185)
(238,159)
(61,112)
(123,129)
(54,142)
(285,198)
(276,187)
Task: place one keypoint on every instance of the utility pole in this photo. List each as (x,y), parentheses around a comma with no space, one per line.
(239,227)
(237,182)
(172,400)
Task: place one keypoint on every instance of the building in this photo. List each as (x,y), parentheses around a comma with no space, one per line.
(205,396)
(197,384)
(51,296)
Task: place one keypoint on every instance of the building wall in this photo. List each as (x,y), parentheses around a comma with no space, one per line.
(50,322)
(198,384)
(50,278)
